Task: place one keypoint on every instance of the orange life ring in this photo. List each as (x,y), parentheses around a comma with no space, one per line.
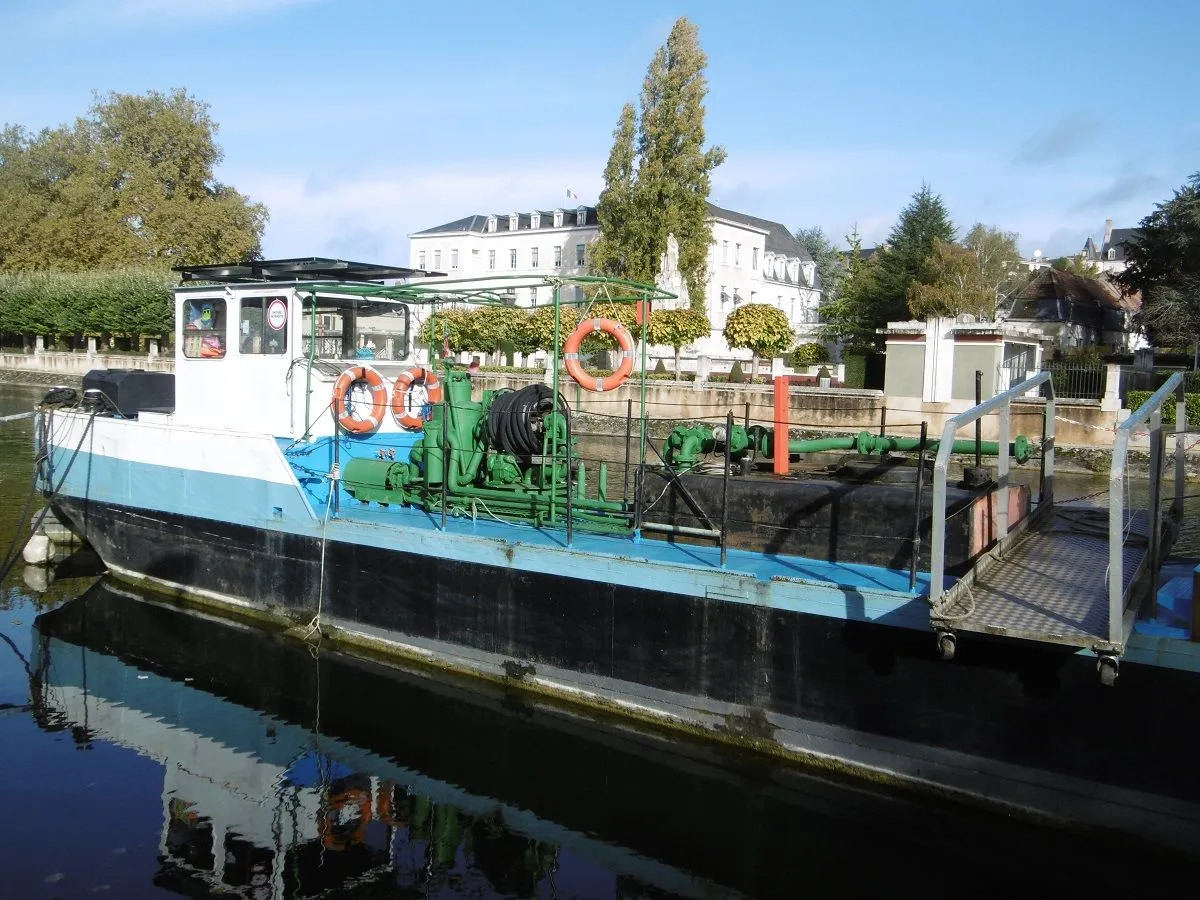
(404,381)
(571,354)
(344,821)
(341,394)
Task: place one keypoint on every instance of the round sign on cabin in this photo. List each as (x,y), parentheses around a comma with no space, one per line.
(277,313)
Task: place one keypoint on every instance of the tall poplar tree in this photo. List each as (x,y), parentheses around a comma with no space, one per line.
(669,177)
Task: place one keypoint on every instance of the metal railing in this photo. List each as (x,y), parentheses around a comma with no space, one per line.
(1149,412)
(1001,403)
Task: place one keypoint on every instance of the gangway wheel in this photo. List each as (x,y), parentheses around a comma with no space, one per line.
(947,643)
(1108,665)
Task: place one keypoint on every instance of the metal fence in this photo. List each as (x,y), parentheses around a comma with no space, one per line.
(1078,382)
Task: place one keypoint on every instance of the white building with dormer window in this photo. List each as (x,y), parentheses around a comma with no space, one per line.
(751,260)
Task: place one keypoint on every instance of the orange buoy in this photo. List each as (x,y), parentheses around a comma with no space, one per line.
(575,369)
(404,383)
(341,399)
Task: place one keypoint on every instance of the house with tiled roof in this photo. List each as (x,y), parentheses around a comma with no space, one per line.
(1070,311)
(750,260)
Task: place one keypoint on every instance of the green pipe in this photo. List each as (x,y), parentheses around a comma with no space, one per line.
(867,443)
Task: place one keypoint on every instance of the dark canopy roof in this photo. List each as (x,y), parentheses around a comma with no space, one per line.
(309,268)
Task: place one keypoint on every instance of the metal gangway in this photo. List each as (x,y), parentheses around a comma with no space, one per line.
(1066,575)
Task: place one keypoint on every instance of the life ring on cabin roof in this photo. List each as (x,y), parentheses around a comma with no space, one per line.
(404,383)
(341,399)
(575,369)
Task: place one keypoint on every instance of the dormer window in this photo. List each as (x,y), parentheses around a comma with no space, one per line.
(512,222)
(491,224)
(535,220)
(581,216)
(558,214)
(1112,252)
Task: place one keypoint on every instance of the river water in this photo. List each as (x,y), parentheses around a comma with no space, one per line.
(147,752)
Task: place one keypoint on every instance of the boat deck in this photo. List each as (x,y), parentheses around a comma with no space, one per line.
(1052,585)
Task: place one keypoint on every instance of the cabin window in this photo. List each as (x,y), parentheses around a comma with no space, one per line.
(347,329)
(262,327)
(204,329)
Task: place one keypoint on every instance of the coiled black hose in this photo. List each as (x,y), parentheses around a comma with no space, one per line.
(515,419)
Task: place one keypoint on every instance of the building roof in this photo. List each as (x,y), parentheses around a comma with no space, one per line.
(1055,296)
(1118,239)
(575,217)
(779,238)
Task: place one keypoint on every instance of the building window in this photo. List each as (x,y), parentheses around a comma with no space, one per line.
(579,248)
(454,259)
(512,222)
(491,226)
(437,259)
(581,216)
(737,254)
(558,257)
(512,259)
(558,213)
(533,258)
(535,220)
(754,258)
(491,259)
(421,260)
(1112,253)
(724,253)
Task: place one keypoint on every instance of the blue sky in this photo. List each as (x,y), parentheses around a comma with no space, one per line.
(359,122)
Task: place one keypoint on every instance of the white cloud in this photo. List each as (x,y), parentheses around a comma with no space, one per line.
(370,217)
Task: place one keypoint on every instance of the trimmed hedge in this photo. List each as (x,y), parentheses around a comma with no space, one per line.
(1136,398)
(130,302)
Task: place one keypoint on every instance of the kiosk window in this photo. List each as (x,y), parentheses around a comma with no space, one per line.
(262,326)
(204,329)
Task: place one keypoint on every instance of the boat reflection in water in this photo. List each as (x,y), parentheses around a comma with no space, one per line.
(289,773)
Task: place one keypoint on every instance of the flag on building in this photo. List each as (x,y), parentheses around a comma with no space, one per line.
(571,195)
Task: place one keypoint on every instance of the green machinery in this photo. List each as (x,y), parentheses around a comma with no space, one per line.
(508,456)
(511,456)
(686,444)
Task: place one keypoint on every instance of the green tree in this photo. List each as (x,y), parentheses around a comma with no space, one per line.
(131,184)
(486,328)
(660,184)
(621,249)
(539,328)
(998,261)
(1076,265)
(761,329)
(676,327)
(950,285)
(827,258)
(846,317)
(1164,264)
(450,324)
(922,223)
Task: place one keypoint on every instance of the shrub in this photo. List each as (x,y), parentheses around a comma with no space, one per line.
(811,354)
(660,368)
(1135,399)
(736,375)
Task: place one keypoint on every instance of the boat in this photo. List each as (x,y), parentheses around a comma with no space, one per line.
(303,468)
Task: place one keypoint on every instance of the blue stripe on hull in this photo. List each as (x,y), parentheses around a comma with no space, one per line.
(836,590)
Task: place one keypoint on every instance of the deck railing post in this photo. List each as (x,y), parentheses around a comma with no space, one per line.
(916,538)
(725,489)
(1181,424)
(1150,411)
(1048,446)
(941,468)
(1002,469)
